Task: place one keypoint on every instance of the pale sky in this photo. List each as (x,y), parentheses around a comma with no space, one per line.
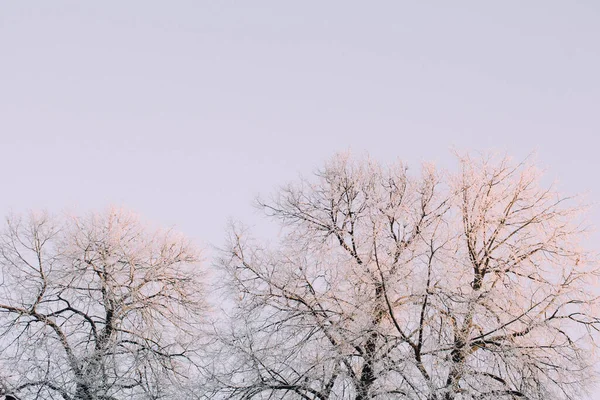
(184,111)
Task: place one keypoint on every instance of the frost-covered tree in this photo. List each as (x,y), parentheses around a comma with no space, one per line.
(442,286)
(99,307)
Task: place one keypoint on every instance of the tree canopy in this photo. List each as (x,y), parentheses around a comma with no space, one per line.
(98,307)
(436,286)
(383,284)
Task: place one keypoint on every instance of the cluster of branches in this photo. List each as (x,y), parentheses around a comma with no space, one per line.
(384,285)
(95,308)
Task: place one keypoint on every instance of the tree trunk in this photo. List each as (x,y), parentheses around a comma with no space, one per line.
(367,376)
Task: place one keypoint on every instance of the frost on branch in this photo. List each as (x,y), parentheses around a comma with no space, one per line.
(436,286)
(95,308)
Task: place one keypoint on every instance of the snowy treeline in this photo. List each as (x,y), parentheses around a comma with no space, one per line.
(384,285)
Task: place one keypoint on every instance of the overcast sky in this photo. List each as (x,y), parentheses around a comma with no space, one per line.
(184,111)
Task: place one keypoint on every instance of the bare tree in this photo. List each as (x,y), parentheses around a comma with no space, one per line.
(438,287)
(95,308)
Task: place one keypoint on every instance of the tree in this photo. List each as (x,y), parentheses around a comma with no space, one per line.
(96,308)
(441,286)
